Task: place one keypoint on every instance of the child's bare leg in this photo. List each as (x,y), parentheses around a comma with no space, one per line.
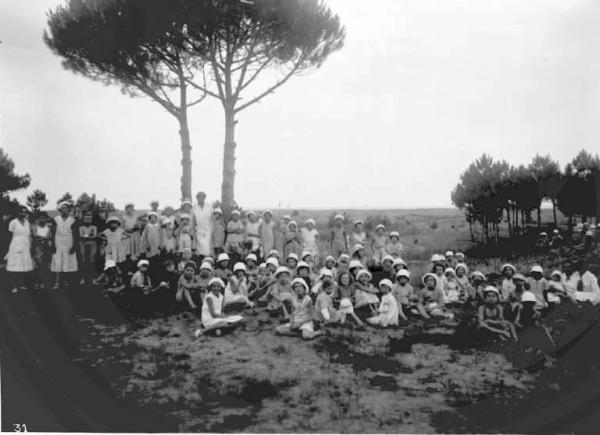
(188,298)
(309,335)
(356,319)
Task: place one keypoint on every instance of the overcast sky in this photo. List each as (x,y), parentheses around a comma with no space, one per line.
(420,89)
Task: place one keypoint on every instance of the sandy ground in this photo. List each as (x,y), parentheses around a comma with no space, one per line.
(71,361)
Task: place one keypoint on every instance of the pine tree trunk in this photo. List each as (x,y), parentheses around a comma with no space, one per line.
(508,217)
(186,157)
(227,192)
(471,231)
(554,213)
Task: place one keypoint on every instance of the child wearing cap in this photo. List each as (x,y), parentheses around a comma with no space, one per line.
(218,232)
(110,278)
(42,250)
(528,312)
(152,237)
(325,280)
(365,294)
(404,293)
(236,290)
(431,297)
(266,232)
(478,281)
(330,265)
(140,279)
(291,239)
(449,257)
(324,309)
(507,286)
(114,235)
(346,291)
(168,229)
(538,284)
(185,232)
(462,280)
(393,246)
(388,308)
(556,288)
(301,319)
(359,254)
(292,262)
(235,235)
(212,315)
(132,228)
(310,236)
(439,269)
(451,291)
(251,268)
(88,234)
(280,292)
(251,233)
(490,315)
(342,263)
(378,242)
(512,305)
(357,236)
(339,244)
(188,285)
(222,268)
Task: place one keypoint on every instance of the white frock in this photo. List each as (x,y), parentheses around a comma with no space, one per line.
(62,260)
(19,252)
(209,321)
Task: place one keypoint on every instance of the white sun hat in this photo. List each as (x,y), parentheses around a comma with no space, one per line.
(403,273)
(282,269)
(222,257)
(110,263)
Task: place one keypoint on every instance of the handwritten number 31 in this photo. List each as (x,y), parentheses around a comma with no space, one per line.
(19,428)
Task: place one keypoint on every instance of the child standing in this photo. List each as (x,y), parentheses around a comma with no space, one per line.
(42,242)
(388,308)
(152,236)
(394,247)
(185,233)
(378,244)
(131,227)
(235,235)
(291,240)
(357,236)
(252,235)
(218,233)
(88,234)
(339,244)
(309,240)
(267,234)
(169,222)
(66,238)
(114,235)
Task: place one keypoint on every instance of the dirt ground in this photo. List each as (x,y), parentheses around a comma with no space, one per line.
(72,362)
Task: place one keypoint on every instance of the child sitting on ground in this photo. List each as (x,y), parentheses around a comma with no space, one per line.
(365,294)
(222,271)
(507,286)
(186,257)
(188,285)
(346,292)
(324,309)
(302,316)
(528,313)
(538,285)
(431,298)
(212,315)
(280,293)
(451,292)
(330,265)
(462,281)
(388,308)
(404,293)
(140,279)
(291,262)
(556,288)
(110,278)
(491,317)
(303,271)
(512,305)
(236,290)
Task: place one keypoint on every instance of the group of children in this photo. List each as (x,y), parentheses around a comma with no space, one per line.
(155,254)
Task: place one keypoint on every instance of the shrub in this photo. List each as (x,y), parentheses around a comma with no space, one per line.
(434,225)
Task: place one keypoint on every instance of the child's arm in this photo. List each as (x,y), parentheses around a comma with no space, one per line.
(188,298)
(401,312)
(421,308)
(211,308)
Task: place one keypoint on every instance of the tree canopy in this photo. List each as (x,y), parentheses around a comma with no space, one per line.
(9,182)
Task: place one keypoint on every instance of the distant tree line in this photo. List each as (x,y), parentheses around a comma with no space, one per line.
(491,192)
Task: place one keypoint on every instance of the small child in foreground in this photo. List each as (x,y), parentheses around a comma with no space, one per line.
(491,317)
(404,293)
(431,297)
(187,285)
(301,320)
(110,278)
(346,293)
(388,308)
(212,316)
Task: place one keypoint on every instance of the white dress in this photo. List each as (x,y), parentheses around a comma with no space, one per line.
(388,312)
(252,234)
(309,242)
(19,252)
(209,321)
(62,260)
(241,296)
(203,222)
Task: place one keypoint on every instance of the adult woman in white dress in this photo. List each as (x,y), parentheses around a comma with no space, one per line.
(65,235)
(203,223)
(19,261)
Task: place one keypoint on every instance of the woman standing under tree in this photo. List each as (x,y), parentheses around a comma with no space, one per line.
(66,240)
(19,261)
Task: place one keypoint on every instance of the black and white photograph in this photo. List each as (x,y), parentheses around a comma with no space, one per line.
(300,216)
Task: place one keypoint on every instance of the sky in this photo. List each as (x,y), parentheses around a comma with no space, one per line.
(420,89)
